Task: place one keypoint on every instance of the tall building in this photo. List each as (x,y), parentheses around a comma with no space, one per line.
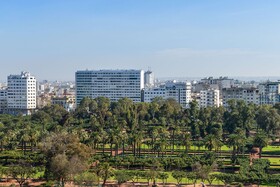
(21,93)
(269,93)
(209,98)
(180,91)
(151,93)
(249,95)
(113,84)
(3,100)
(149,79)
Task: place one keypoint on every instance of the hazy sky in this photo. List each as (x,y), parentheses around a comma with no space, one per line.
(54,38)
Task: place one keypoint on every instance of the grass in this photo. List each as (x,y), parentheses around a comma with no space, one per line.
(274,161)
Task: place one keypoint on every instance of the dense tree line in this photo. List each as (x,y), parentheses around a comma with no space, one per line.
(65,142)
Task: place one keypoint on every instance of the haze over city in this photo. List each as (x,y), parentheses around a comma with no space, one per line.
(53,39)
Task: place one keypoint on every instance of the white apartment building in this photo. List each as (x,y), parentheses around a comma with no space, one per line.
(151,93)
(269,93)
(113,84)
(222,82)
(180,91)
(3,100)
(209,98)
(249,95)
(21,93)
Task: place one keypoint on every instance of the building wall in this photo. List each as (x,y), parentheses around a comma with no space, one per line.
(22,93)
(269,93)
(180,91)
(3,101)
(113,84)
(149,79)
(209,98)
(249,95)
(151,93)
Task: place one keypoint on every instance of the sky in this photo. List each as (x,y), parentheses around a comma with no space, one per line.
(53,39)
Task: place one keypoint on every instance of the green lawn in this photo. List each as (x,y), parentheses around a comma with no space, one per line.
(271,148)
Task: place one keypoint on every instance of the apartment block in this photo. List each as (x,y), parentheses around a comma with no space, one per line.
(113,84)
(249,95)
(3,100)
(269,93)
(21,93)
(209,98)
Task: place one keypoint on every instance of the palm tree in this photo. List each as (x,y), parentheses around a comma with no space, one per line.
(211,142)
(185,140)
(261,141)
(237,142)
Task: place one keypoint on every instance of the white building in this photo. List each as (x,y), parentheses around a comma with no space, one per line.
(249,95)
(222,82)
(113,84)
(149,79)
(269,93)
(209,98)
(151,93)
(180,91)
(21,94)
(3,100)
(67,102)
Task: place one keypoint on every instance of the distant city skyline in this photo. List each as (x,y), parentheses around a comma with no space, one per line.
(54,39)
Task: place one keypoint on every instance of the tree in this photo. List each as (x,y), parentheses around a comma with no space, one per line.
(86,179)
(261,141)
(194,119)
(104,171)
(226,178)
(237,142)
(255,172)
(122,176)
(239,115)
(21,172)
(178,175)
(63,168)
(268,119)
(163,176)
(64,153)
(211,142)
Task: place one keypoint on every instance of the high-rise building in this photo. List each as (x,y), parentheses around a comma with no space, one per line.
(180,91)
(151,93)
(113,84)
(21,93)
(249,95)
(209,98)
(3,100)
(269,93)
(149,79)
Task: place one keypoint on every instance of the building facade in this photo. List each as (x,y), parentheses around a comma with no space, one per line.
(151,93)
(149,79)
(21,93)
(67,102)
(269,93)
(113,84)
(3,100)
(249,95)
(209,98)
(180,91)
